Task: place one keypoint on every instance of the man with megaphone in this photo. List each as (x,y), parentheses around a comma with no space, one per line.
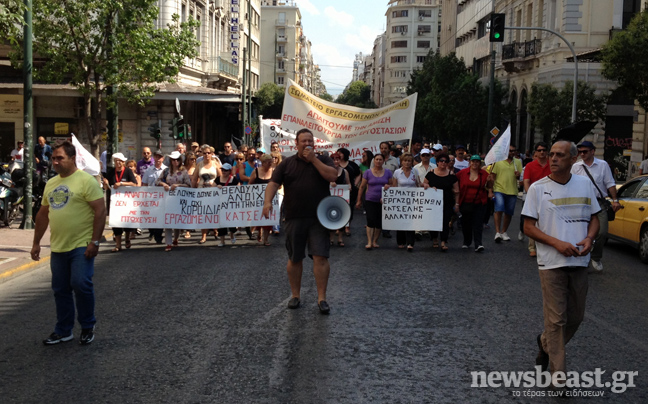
(305,177)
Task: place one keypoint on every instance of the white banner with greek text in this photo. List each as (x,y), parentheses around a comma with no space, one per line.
(412,209)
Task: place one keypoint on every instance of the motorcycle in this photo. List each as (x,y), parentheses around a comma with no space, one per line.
(11,193)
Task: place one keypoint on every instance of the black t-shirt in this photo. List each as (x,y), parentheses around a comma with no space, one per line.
(304,187)
(233,181)
(128,176)
(354,171)
(444,183)
(227,159)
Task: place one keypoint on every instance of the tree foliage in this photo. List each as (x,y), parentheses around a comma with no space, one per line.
(625,59)
(73,38)
(11,19)
(326,96)
(269,100)
(357,94)
(551,109)
(452,104)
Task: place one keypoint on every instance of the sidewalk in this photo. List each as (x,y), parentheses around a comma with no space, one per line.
(15,248)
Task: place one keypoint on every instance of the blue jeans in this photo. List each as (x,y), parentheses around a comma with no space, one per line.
(505,203)
(72,271)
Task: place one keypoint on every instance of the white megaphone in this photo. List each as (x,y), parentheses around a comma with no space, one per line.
(333,212)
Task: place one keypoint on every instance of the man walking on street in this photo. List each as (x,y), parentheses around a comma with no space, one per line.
(505,175)
(560,213)
(534,171)
(603,184)
(74,207)
(305,178)
(145,162)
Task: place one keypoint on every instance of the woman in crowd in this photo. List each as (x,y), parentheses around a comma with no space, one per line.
(408,178)
(342,179)
(204,176)
(262,175)
(190,167)
(226,179)
(365,163)
(276,158)
(373,180)
(116,177)
(132,165)
(442,178)
(355,176)
(173,177)
(473,198)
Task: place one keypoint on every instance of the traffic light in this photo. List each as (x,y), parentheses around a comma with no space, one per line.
(180,127)
(497,26)
(173,127)
(154,131)
(188,131)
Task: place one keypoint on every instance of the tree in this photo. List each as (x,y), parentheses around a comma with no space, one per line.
(452,104)
(625,59)
(357,94)
(11,19)
(326,96)
(269,100)
(73,38)
(551,108)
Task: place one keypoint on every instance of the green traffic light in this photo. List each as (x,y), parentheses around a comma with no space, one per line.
(496,35)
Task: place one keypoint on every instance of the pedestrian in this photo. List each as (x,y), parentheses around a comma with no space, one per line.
(406,177)
(245,168)
(355,177)
(460,161)
(228,154)
(505,175)
(305,178)
(173,177)
(226,179)
(443,179)
(374,180)
(643,167)
(18,152)
(534,171)
(132,165)
(603,184)
(473,198)
(119,176)
(149,179)
(204,177)
(365,162)
(145,162)
(343,178)
(74,208)
(262,175)
(42,154)
(560,213)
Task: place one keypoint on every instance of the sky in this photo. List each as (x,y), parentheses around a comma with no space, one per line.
(338,30)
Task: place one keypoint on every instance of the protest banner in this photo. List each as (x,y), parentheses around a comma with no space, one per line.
(346,124)
(271,132)
(135,207)
(412,209)
(191,208)
(343,191)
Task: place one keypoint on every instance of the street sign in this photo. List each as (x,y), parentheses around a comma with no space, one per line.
(248,130)
(177,105)
(495,131)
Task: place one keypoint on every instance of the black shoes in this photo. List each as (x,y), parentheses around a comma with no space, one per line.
(324,307)
(543,358)
(87,336)
(294,303)
(54,338)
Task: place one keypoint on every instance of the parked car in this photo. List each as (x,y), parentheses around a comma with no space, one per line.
(631,223)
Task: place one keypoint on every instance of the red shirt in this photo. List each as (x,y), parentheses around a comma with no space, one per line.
(534,171)
(472,191)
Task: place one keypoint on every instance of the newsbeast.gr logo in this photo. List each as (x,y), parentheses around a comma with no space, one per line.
(574,381)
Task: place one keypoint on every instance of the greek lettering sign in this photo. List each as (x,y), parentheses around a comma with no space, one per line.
(412,209)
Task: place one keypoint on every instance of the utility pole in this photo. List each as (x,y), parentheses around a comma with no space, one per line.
(28,105)
(112,112)
(243,93)
(249,81)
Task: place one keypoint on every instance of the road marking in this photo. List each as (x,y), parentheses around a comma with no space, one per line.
(22,268)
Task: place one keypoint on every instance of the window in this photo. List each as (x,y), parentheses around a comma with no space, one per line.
(424,29)
(399,44)
(281,65)
(399,28)
(423,44)
(628,190)
(280,80)
(425,13)
(420,59)
(399,13)
(399,59)
(398,73)
(282,17)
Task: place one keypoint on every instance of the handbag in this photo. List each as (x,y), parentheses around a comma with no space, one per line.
(606,204)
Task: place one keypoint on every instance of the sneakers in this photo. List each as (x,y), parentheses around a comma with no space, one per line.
(521,236)
(498,238)
(465,247)
(597,265)
(479,248)
(505,236)
(87,336)
(54,338)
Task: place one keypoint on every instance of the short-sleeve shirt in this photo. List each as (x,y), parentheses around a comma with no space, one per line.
(600,171)
(505,181)
(143,165)
(444,183)
(376,184)
(644,167)
(152,174)
(472,191)
(460,165)
(70,215)
(304,187)
(405,181)
(562,211)
(534,171)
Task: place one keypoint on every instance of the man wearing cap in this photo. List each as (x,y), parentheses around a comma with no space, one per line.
(119,176)
(603,184)
(17,153)
(145,162)
(425,166)
(436,149)
(460,159)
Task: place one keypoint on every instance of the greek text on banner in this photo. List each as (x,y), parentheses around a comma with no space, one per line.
(412,209)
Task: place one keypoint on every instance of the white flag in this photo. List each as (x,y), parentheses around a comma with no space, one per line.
(84,160)
(500,149)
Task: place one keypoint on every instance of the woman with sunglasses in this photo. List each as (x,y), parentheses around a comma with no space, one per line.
(116,177)
(262,175)
(408,178)
(373,180)
(173,177)
(226,179)
(441,178)
(473,199)
(204,177)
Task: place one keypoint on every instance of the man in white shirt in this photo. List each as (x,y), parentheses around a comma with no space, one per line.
(602,177)
(391,162)
(643,167)
(560,214)
(460,160)
(148,179)
(17,153)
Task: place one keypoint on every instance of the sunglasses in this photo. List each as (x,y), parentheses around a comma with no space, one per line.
(583,151)
(442,161)
(541,150)
(240,158)
(425,155)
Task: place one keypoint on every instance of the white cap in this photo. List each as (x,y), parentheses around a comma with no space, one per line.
(175,155)
(437,147)
(119,156)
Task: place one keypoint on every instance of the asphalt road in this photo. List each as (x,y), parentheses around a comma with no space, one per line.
(203,324)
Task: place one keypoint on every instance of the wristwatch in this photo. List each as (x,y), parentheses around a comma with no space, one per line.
(96,243)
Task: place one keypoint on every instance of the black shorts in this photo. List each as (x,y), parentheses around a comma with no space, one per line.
(301,232)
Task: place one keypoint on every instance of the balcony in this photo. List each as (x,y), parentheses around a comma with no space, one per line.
(222,73)
(281,39)
(521,50)
(281,23)
(281,55)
